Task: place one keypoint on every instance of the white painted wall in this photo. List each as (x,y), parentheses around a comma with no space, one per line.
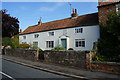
(90,34)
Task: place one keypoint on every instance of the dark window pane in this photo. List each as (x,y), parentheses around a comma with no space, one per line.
(81,30)
(83,43)
(76,43)
(79,43)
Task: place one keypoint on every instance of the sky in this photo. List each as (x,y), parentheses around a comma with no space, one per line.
(29,13)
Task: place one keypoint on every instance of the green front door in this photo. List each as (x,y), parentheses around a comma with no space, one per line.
(64,43)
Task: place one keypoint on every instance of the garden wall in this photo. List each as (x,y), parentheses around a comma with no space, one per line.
(68,58)
(80,59)
(112,67)
(22,53)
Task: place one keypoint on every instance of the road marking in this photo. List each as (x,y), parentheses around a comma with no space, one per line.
(7,75)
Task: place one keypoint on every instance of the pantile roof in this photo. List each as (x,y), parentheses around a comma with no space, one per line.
(84,20)
(109,3)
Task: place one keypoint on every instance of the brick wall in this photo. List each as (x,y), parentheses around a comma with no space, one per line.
(112,67)
(104,11)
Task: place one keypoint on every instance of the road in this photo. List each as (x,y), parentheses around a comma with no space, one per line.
(16,71)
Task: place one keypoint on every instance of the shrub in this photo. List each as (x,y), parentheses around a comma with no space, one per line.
(15,41)
(58,48)
(70,49)
(24,45)
(35,47)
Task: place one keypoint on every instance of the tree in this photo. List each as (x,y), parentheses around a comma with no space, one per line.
(10,25)
(6,41)
(109,42)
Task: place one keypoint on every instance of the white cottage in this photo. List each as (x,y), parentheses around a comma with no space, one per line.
(77,32)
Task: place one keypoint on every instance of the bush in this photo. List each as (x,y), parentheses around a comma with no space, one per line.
(15,41)
(70,49)
(58,48)
(35,47)
(24,45)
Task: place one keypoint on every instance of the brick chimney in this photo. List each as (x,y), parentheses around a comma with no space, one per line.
(74,14)
(39,22)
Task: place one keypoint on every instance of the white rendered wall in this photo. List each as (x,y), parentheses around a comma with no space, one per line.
(90,34)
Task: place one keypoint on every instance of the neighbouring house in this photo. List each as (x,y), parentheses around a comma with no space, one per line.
(105,8)
(77,32)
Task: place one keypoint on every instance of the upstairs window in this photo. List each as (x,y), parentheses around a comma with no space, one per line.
(51,33)
(49,44)
(24,37)
(36,35)
(78,30)
(79,42)
(35,44)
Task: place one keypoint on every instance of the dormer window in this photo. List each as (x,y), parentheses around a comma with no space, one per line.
(36,35)
(51,33)
(78,30)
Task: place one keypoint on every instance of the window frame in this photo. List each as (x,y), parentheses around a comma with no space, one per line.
(34,43)
(24,37)
(49,44)
(36,35)
(52,33)
(80,43)
(78,30)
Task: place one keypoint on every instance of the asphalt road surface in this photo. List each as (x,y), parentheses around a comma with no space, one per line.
(11,71)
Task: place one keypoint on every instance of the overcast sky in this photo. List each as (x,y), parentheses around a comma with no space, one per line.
(28,13)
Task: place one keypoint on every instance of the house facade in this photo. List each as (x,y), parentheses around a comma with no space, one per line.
(77,32)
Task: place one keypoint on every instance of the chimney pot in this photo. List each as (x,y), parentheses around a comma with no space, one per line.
(39,22)
(73,10)
(20,30)
(74,15)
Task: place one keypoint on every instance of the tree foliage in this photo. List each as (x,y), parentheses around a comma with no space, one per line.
(109,42)
(10,25)
(6,41)
(15,41)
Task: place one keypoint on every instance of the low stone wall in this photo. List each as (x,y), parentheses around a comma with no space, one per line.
(80,59)
(111,67)
(22,53)
(69,58)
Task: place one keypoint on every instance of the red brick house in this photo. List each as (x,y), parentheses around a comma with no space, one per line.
(105,8)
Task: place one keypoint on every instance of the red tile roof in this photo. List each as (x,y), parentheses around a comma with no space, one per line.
(109,2)
(89,19)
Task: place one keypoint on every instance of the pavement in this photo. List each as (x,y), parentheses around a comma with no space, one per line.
(64,70)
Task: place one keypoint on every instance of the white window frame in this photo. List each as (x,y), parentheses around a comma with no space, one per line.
(80,42)
(78,30)
(52,33)
(35,43)
(36,35)
(49,44)
(24,37)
